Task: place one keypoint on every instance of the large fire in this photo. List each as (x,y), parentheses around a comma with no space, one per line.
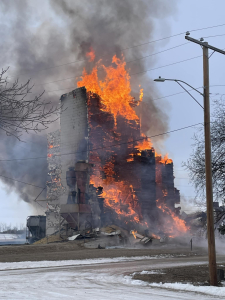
(111,112)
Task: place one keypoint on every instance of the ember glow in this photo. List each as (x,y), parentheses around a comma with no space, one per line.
(121,154)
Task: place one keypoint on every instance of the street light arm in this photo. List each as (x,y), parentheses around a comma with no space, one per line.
(177,81)
(186,84)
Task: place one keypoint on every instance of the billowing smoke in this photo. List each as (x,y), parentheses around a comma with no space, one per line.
(39,35)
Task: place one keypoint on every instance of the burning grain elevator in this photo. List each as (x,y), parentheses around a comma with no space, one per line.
(103,171)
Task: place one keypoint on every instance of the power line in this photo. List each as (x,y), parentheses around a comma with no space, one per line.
(41,187)
(201,87)
(83,60)
(212,36)
(72,87)
(150,42)
(126,63)
(157,52)
(167,65)
(115,145)
(220,25)
(131,73)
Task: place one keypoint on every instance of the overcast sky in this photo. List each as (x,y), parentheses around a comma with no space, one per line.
(181,108)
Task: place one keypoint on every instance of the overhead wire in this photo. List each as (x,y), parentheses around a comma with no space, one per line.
(212,36)
(215,26)
(150,42)
(130,74)
(94,149)
(41,187)
(167,65)
(44,83)
(63,79)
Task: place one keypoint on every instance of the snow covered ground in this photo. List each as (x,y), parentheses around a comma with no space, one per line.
(7,236)
(92,279)
(44,264)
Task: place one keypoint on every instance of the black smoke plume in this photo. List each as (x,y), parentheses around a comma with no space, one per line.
(39,35)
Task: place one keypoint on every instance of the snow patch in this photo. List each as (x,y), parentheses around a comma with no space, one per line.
(152,272)
(46,264)
(209,290)
(148,272)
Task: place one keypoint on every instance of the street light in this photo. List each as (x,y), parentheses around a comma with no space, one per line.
(208,167)
(160,79)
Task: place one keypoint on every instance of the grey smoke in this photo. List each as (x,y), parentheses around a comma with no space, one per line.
(38,35)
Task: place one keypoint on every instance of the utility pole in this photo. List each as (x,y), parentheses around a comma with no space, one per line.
(208,172)
(208,161)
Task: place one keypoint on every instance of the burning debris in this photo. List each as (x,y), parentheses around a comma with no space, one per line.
(143,239)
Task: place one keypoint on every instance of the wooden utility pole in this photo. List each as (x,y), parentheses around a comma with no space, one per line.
(208,161)
(208,172)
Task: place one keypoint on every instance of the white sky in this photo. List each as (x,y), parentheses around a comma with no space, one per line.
(183,111)
(13,211)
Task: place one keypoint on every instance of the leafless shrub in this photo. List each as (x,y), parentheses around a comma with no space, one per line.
(18,113)
(196,163)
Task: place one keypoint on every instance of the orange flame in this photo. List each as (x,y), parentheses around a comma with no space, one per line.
(134,233)
(141,95)
(165,160)
(91,54)
(118,195)
(145,144)
(157,237)
(114,90)
(173,224)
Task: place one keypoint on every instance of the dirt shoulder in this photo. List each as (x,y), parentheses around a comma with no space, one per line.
(196,275)
(76,250)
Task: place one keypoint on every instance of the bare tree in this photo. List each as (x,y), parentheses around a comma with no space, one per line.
(196,164)
(19,113)
(8,228)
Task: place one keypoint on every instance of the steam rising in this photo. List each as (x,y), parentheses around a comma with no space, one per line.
(38,35)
